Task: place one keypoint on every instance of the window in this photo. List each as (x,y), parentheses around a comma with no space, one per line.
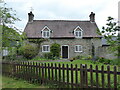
(45,48)
(46,32)
(78,48)
(78,32)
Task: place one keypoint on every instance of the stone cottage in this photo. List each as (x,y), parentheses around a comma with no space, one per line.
(75,37)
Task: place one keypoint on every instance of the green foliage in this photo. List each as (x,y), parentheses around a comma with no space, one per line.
(78,57)
(10,37)
(8,15)
(109,32)
(37,41)
(28,51)
(55,50)
(48,55)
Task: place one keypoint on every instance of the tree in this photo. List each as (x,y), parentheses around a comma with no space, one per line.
(110,32)
(9,32)
(8,17)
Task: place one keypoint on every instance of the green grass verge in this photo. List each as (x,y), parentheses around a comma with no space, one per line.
(89,62)
(8,82)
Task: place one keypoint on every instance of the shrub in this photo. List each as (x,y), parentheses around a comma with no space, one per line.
(101,59)
(28,51)
(55,50)
(89,57)
(48,55)
(78,57)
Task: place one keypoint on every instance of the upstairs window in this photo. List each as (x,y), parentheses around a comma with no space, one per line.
(46,32)
(78,48)
(45,48)
(78,32)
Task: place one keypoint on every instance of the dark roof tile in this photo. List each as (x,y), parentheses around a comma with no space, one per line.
(60,28)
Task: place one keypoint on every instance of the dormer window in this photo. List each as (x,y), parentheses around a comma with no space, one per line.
(46,32)
(78,32)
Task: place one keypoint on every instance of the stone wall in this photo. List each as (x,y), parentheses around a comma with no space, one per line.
(86,45)
(105,52)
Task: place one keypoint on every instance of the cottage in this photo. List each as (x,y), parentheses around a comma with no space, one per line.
(75,37)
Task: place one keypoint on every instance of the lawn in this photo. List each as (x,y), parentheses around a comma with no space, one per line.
(89,62)
(78,62)
(8,82)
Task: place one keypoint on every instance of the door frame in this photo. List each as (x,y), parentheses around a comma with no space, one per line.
(68,50)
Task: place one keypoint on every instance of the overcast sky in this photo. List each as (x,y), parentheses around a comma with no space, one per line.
(64,10)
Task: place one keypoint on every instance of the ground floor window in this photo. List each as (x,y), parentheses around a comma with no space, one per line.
(78,48)
(45,48)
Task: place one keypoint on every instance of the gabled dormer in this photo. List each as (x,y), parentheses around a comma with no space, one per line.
(46,32)
(78,32)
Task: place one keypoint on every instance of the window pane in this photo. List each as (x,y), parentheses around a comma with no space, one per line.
(79,48)
(47,34)
(76,34)
(44,34)
(76,48)
(47,48)
(79,34)
(43,48)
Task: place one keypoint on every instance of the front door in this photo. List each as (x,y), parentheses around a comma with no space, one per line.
(65,52)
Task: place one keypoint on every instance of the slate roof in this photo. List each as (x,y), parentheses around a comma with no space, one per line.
(61,28)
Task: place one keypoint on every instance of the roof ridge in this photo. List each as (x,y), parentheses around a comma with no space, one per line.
(66,20)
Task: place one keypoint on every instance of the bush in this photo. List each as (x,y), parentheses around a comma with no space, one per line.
(55,50)
(48,55)
(78,57)
(104,60)
(101,59)
(28,51)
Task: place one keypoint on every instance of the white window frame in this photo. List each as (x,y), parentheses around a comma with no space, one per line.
(45,31)
(80,30)
(46,46)
(78,48)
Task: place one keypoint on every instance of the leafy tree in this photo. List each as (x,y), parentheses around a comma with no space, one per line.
(110,32)
(7,19)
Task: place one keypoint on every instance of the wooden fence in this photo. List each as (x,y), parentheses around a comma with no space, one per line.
(64,75)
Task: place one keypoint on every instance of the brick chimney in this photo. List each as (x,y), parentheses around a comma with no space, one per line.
(92,17)
(30,17)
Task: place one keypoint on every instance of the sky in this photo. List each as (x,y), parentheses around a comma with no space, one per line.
(64,10)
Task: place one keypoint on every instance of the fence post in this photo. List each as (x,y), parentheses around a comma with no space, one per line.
(84,75)
(115,77)
(14,69)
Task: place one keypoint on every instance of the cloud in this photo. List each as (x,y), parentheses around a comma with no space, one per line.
(65,9)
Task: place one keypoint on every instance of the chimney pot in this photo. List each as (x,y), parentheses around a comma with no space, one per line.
(30,17)
(92,17)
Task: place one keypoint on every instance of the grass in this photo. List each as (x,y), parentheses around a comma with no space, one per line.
(8,82)
(89,62)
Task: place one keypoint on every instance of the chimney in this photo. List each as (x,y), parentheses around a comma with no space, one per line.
(92,17)
(30,17)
